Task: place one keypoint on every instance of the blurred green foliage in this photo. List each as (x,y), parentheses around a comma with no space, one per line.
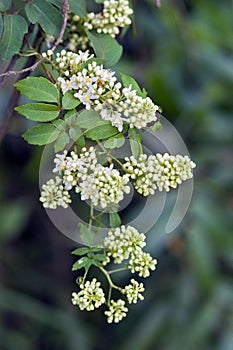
(182,54)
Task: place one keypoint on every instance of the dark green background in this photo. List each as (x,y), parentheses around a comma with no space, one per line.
(182,54)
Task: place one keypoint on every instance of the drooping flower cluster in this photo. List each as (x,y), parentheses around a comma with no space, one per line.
(124,243)
(54,194)
(90,297)
(115,15)
(158,171)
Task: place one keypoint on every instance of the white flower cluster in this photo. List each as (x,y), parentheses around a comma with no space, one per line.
(103,185)
(90,297)
(89,84)
(133,291)
(125,242)
(162,171)
(117,311)
(142,263)
(142,171)
(74,167)
(53,194)
(137,110)
(173,170)
(67,62)
(97,88)
(115,15)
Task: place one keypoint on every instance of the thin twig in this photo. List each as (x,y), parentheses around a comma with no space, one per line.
(58,40)
(9,67)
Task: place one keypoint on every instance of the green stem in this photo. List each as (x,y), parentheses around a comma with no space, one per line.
(91,215)
(118,270)
(106,273)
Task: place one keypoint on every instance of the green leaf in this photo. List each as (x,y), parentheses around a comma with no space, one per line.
(127,81)
(96,249)
(105,47)
(39,112)
(80,141)
(61,141)
(115,142)
(38,89)
(156,127)
(135,142)
(81,251)
(99,257)
(71,117)
(135,148)
(83,262)
(5,5)
(57,3)
(134,135)
(78,7)
(86,234)
(14,29)
(101,132)
(88,118)
(69,101)
(75,133)
(60,125)
(48,17)
(115,220)
(41,134)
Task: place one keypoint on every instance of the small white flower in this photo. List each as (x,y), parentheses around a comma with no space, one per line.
(85,55)
(65,84)
(60,162)
(86,97)
(113,116)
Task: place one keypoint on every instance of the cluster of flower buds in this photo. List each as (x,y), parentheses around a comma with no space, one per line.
(115,15)
(160,171)
(122,243)
(126,243)
(65,62)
